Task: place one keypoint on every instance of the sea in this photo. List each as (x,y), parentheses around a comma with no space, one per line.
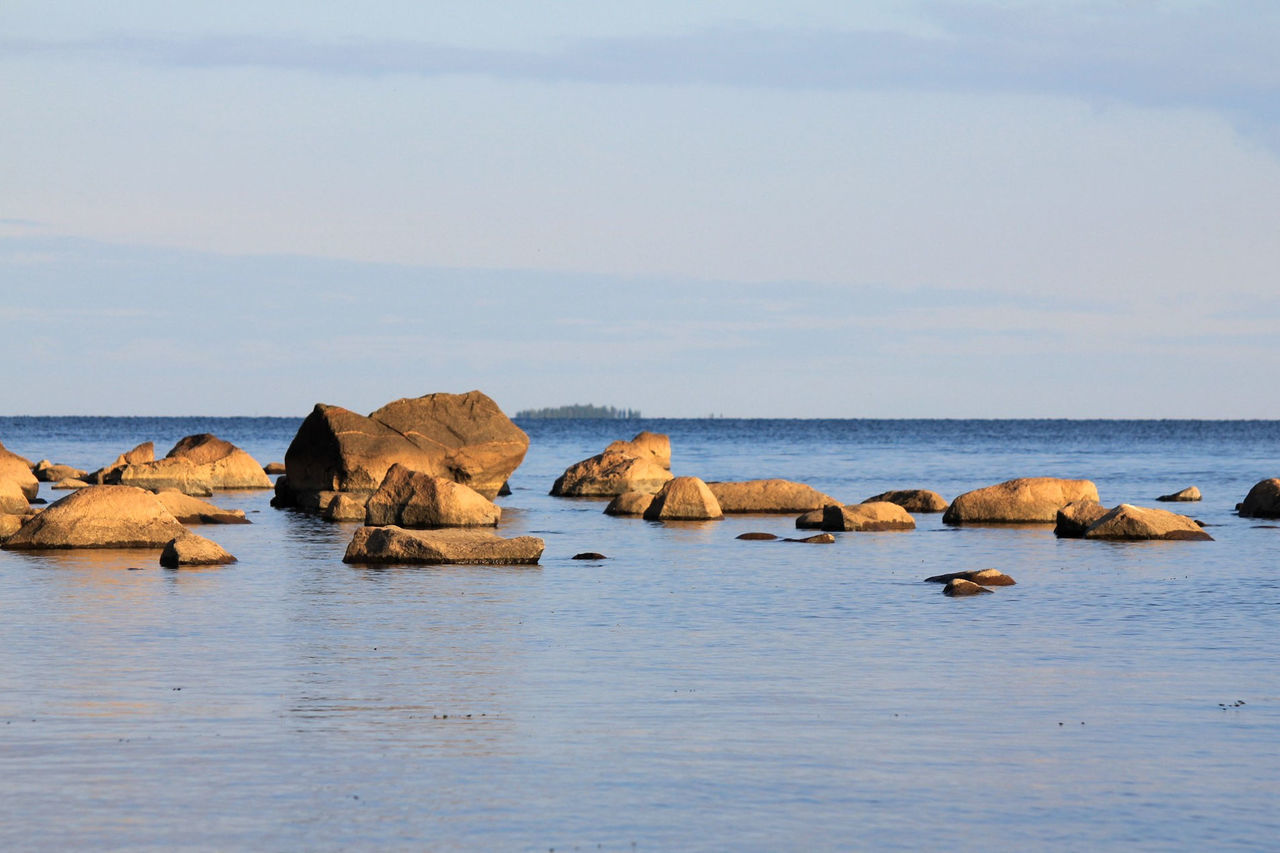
(690,692)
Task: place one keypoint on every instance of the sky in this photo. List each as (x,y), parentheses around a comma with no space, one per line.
(940,208)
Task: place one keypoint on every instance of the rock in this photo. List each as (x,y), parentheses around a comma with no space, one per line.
(1136,522)
(412,499)
(983,577)
(225,465)
(759,536)
(189,510)
(13,500)
(629,503)
(63,485)
(1190,493)
(140,455)
(611,473)
(17,470)
(646,445)
(1030,500)
(881,515)
(1263,500)
(273,468)
(180,474)
(9,525)
(344,506)
(1074,518)
(960,587)
(100,517)
(451,545)
(461,437)
(192,550)
(47,472)
(912,500)
(505,489)
(684,499)
(819,539)
(766,496)
(812,520)
(589,555)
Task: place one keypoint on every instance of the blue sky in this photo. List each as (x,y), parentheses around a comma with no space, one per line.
(810,209)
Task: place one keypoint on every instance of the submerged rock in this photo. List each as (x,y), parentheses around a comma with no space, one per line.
(1029,500)
(1190,493)
(192,550)
(1263,500)
(959,587)
(100,517)
(589,555)
(881,515)
(684,499)
(1136,522)
(768,496)
(629,503)
(983,577)
(412,499)
(450,545)
(759,536)
(819,539)
(912,500)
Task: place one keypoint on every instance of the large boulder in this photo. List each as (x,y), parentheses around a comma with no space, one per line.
(912,500)
(181,474)
(451,545)
(1074,518)
(1029,500)
(1263,500)
(227,466)
(767,496)
(17,470)
(629,503)
(189,510)
(684,499)
(100,517)
(1137,522)
(646,445)
(462,437)
(13,500)
(192,550)
(880,515)
(412,499)
(611,473)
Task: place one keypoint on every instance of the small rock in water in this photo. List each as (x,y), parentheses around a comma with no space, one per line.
(762,536)
(589,555)
(1190,493)
(959,586)
(819,539)
(985,577)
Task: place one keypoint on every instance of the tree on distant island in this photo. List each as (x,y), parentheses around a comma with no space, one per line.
(579,410)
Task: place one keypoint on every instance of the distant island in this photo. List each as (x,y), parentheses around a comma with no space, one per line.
(579,411)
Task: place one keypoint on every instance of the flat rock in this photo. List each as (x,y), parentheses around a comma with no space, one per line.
(192,550)
(1190,493)
(461,437)
(413,499)
(180,474)
(1074,518)
(629,503)
(223,464)
(912,500)
(1135,522)
(17,470)
(768,496)
(450,545)
(589,555)
(982,577)
(1028,500)
(611,473)
(100,517)
(189,510)
(959,587)
(817,539)
(1263,500)
(759,536)
(684,499)
(645,445)
(881,515)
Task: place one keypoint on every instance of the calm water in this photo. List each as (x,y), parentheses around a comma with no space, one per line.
(692,692)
